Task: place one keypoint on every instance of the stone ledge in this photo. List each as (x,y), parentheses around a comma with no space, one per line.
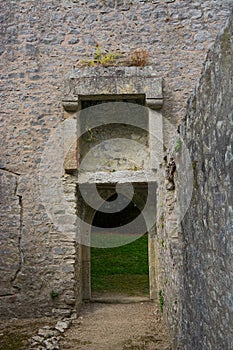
(124,176)
(117,82)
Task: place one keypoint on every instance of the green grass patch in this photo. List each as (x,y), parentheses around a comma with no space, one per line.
(113,240)
(121,270)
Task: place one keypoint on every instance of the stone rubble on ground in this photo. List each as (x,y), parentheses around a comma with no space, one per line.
(48,337)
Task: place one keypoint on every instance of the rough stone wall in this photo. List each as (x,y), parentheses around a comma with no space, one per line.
(206,294)
(40,43)
(11,235)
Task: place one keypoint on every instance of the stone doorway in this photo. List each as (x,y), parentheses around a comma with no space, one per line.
(116,232)
(119,133)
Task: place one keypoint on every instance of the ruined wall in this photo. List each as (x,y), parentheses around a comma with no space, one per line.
(41,42)
(207,228)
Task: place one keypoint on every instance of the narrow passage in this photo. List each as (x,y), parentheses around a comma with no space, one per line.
(135,326)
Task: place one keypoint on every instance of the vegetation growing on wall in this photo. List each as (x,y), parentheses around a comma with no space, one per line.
(53,294)
(178,146)
(101,57)
(139,58)
(161,300)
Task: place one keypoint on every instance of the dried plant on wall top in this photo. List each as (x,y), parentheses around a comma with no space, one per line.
(139,58)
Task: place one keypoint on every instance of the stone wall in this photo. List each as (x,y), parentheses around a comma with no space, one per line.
(40,44)
(207,228)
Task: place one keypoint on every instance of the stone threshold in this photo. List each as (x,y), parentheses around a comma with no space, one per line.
(120,300)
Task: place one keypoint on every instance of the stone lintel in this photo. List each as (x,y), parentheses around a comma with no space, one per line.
(112,82)
(121,177)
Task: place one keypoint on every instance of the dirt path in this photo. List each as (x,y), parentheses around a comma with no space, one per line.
(136,326)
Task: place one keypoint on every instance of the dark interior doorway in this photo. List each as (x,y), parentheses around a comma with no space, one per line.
(122,270)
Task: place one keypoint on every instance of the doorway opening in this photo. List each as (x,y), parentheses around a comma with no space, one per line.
(120,270)
(118,249)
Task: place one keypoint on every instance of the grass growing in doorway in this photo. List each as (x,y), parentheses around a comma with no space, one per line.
(121,270)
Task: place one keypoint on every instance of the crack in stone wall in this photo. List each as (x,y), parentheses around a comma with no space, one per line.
(20,247)
(11,250)
(9,171)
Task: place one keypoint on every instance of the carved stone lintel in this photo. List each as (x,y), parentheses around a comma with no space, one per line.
(100,82)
